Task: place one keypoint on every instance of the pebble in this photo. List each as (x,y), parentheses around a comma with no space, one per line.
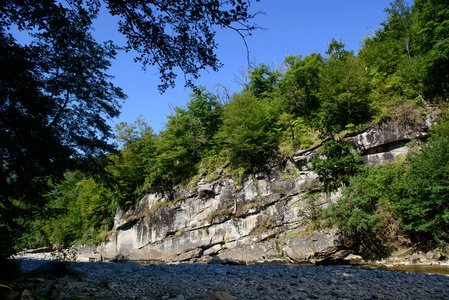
(202,281)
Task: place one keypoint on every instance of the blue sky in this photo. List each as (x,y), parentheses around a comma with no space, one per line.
(293,27)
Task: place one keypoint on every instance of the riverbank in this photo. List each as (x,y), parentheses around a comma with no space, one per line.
(96,280)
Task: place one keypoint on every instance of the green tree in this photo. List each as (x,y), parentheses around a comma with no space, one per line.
(432,31)
(80,210)
(300,84)
(128,170)
(364,210)
(187,139)
(204,111)
(398,24)
(422,203)
(263,81)
(335,163)
(344,94)
(54,102)
(336,50)
(246,132)
(393,60)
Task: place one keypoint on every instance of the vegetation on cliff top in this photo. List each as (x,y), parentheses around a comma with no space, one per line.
(397,73)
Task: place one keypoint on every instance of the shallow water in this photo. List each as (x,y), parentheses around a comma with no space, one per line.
(442,270)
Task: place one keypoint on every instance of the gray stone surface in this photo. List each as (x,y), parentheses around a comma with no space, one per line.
(199,281)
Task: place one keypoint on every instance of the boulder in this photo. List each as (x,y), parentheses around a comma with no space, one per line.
(26,295)
(206,190)
(221,296)
(131,266)
(251,254)
(213,250)
(354,259)
(195,253)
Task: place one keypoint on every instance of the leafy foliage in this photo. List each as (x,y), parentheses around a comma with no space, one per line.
(263,81)
(300,83)
(432,31)
(127,169)
(344,93)
(80,211)
(422,203)
(55,97)
(179,34)
(364,208)
(335,164)
(171,35)
(187,138)
(246,133)
(387,201)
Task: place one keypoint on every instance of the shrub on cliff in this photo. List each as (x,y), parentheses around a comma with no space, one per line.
(422,198)
(364,209)
(335,163)
(411,198)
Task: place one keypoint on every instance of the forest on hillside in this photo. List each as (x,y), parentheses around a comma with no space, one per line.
(398,74)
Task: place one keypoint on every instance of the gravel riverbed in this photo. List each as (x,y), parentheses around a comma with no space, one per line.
(200,281)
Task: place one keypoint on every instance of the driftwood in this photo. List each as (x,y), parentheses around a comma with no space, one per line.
(39,250)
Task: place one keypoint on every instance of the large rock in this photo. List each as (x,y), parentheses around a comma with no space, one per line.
(251,254)
(221,296)
(317,244)
(131,267)
(384,142)
(257,221)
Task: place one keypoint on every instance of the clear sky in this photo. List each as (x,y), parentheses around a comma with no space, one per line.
(293,27)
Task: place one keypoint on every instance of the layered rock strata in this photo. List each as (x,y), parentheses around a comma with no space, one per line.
(265,218)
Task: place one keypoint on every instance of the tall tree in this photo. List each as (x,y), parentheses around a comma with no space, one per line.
(398,24)
(433,43)
(300,83)
(55,94)
(344,93)
(128,167)
(263,81)
(247,130)
(55,97)
(187,137)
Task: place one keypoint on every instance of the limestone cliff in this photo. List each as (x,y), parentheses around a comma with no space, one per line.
(263,219)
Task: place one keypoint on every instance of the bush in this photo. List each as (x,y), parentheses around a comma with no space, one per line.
(335,163)
(364,209)
(384,202)
(246,135)
(422,202)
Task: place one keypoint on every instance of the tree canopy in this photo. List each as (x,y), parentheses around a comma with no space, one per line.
(56,95)
(55,91)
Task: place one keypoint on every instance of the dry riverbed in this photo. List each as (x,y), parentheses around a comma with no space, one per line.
(131,280)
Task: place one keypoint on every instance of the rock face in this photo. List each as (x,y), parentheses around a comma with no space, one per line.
(263,219)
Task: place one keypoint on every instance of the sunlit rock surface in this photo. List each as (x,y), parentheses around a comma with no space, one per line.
(263,219)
